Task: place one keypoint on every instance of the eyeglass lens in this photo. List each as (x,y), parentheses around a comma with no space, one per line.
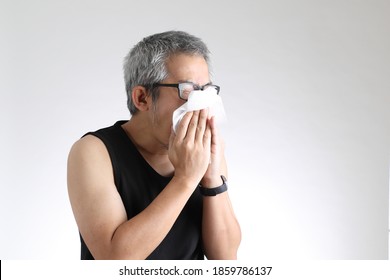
(186,88)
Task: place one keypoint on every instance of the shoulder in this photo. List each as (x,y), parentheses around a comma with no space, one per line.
(89,145)
(89,161)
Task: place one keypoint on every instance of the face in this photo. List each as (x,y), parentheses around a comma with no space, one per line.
(181,68)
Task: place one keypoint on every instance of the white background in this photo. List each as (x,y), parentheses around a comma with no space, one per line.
(305,85)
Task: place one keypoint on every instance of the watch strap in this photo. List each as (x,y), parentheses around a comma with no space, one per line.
(214,191)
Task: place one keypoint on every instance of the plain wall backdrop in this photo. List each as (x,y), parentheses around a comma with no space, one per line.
(306,89)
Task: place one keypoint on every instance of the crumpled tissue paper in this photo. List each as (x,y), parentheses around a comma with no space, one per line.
(201,99)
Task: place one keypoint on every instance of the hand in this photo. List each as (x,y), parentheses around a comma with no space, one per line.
(190,148)
(217,166)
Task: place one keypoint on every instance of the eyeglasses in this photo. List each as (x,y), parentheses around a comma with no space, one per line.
(184,89)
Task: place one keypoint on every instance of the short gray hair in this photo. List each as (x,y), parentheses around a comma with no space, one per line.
(146,62)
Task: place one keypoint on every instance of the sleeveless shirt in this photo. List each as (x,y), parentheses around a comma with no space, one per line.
(138,185)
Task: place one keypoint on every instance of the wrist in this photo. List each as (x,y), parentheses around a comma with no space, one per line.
(213,191)
(211,182)
(184,182)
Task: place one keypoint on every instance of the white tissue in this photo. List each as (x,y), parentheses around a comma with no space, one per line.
(201,99)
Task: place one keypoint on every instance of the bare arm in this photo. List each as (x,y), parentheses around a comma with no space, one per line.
(221,231)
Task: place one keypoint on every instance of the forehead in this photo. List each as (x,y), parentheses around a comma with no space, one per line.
(184,67)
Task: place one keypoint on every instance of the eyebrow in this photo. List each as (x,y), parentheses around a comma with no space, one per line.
(187,81)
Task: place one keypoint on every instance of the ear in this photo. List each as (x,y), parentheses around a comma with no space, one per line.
(141,99)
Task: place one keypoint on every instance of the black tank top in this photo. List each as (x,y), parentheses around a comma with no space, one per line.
(138,185)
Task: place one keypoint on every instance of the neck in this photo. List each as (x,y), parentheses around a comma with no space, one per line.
(141,132)
(153,151)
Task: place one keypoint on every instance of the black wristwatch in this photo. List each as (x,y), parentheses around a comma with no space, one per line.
(214,191)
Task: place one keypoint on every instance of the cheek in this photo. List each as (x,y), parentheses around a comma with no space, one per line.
(163,115)
(165,106)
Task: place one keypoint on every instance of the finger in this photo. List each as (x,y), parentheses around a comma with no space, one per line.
(214,131)
(181,130)
(202,123)
(192,126)
(207,137)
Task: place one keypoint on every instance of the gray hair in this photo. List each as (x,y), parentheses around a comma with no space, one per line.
(146,62)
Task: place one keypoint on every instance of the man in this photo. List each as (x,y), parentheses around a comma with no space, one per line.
(134,187)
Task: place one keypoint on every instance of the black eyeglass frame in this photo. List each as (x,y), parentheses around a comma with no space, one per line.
(196,87)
